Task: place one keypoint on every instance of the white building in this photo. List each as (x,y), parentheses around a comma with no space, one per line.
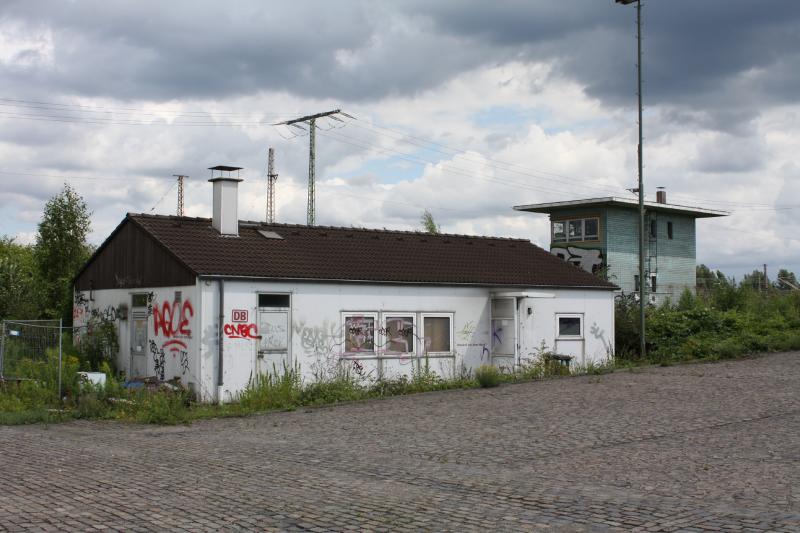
(215,302)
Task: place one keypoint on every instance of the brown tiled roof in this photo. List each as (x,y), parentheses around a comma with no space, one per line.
(353,254)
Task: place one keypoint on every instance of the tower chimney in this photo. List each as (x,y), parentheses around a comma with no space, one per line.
(225,218)
(661,195)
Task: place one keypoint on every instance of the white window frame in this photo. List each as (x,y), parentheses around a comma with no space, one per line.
(583,237)
(553,231)
(559,316)
(375,337)
(384,341)
(596,237)
(422,317)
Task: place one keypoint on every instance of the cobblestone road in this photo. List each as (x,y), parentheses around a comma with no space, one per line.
(706,447)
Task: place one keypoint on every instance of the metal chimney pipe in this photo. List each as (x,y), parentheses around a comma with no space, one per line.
(225,217)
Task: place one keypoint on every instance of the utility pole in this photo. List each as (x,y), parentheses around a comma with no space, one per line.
(642,283)
(180,192)
(272,177)
(766,285)
(312,126)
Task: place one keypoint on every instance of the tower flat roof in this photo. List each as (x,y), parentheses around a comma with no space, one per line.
(615,201)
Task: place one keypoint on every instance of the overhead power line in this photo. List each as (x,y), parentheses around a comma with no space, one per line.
(125,110)
(164,196)
(311,120)
(76,114)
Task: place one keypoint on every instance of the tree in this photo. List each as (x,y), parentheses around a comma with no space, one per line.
(706,279)
(61,250)
(428,224)
(18,283)
(755,280)
(786,280)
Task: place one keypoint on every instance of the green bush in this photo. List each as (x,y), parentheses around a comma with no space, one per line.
(723,321)
(100,343)
(488,376)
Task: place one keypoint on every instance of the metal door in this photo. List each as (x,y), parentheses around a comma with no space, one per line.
(138,363)
(273,346)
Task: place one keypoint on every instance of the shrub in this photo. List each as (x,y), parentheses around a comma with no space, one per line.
(100,343)
(488,376)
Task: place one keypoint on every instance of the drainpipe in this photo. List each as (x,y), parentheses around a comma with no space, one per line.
(221,287)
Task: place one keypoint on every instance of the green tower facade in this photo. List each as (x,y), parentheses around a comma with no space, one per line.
(601,235)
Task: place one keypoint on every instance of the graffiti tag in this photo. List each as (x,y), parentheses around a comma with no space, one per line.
(358,367)
(587,259)
(158,359)
(600,335)
(241,331)
(110,313)
(171,320)
(184,363)
(467,331)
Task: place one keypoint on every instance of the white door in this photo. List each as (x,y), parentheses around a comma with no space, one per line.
(138,363)
(529,348)
(504,332)
(273,347)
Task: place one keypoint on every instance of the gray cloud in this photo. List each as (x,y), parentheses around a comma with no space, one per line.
(710,66)
(716,55)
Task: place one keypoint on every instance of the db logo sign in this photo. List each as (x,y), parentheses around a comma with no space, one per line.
(239,315)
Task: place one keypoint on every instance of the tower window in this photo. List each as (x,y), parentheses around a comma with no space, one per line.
(573,230)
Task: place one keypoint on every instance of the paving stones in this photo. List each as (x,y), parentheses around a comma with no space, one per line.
(705,447)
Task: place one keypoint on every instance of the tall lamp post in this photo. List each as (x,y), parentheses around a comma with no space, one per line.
(642,281)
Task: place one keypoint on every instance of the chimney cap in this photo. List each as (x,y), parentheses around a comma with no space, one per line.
(225,178)
(224,168)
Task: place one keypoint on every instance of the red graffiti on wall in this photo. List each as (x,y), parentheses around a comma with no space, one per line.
(241,331)
(171,320)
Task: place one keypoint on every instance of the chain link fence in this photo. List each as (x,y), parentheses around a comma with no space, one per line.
(31,350)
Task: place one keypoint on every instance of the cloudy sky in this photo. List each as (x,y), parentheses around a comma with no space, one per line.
(464,108)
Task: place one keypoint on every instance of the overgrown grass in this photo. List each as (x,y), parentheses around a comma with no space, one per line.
(728,323)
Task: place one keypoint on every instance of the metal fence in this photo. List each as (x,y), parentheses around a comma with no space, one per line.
(31,350)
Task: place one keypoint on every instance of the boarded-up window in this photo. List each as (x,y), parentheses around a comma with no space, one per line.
(359,333)
(438,333)
(399,333)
